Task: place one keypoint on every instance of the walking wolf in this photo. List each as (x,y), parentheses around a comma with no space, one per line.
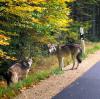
(69,49)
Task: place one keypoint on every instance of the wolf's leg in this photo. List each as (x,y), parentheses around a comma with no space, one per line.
(77,64)
(27,73)
(61,62)
(73,59)
(14,77)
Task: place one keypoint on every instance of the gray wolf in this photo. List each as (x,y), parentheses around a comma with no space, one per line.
(74,50)
(17,71)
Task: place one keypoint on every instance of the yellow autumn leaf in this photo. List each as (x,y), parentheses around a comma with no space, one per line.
(36,1)
(69,0)
(62,1)
(4,43)
(34,20)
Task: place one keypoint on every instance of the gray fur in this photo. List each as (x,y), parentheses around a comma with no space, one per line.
(18,71)
(74,50)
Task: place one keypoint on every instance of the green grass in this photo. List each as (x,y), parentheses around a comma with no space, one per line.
(56,71)
(14,89)
(91,50)
(34,78)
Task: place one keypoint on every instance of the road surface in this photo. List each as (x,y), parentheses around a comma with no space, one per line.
(86,87)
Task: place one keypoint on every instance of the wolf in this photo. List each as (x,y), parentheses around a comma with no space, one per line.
(74,50)
(17,71)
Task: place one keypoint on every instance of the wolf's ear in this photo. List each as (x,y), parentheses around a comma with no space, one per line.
(26,58)
(30,59)
(25,64)
(49,45)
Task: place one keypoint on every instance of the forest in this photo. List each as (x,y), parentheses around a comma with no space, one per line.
(27,26)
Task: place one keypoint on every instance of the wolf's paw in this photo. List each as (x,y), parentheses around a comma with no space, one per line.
(62,69)
(76,68)
(72,69)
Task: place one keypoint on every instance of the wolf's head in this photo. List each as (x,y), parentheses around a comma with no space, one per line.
(27,62)
(52,48)
(30,61)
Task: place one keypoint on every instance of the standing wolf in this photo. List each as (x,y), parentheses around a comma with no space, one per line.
(17,71)
(70,49)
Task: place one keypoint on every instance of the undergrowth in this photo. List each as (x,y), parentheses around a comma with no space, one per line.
(14,89)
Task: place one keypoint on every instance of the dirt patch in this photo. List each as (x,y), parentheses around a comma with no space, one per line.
(48,88)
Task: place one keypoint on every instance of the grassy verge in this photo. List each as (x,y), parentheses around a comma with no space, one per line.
(13,90)
(91,50)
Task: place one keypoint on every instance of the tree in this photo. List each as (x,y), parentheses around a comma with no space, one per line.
(32,21)
(84,13)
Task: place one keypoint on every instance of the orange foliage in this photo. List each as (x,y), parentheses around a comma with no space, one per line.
(3,40)
(4,37)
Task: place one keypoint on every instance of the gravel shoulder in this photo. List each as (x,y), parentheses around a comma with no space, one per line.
(48,88)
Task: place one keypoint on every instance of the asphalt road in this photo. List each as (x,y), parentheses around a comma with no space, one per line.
(86,87)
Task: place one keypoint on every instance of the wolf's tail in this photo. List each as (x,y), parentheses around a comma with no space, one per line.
(79,56)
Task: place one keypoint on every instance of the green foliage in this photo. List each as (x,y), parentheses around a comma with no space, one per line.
(12,24)
(32,24)
(84,14)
